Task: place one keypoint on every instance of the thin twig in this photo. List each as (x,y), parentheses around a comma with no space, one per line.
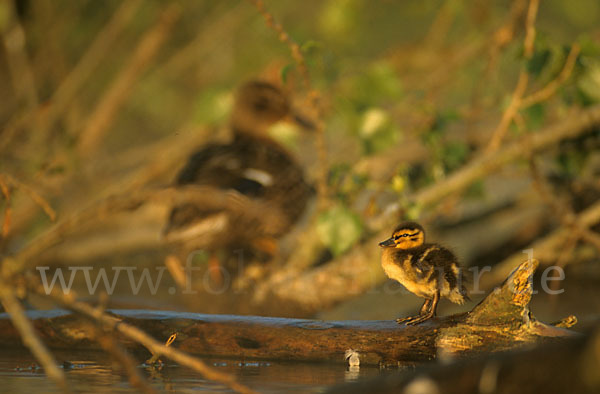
(74,81)
(553,86)
(530,27)
(509,113)
(100,120)
(313,95)
(35,196)
(515,102)
(29,337)
(156,357)
(7,210)
(139,336)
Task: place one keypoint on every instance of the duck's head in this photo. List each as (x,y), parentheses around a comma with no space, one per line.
(407,235)
(259,105)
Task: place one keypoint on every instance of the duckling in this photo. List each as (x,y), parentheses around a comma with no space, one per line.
(427,270)
(253,167)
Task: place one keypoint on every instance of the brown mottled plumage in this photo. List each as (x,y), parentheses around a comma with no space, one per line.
(253,167)
(428,270)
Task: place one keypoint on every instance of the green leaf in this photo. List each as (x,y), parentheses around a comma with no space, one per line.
(311,47)
(538,61)
(285,70)
(454,155)
(339,228)
(535,116)
(571,163)
(589,46)
(589,83)
(475,190)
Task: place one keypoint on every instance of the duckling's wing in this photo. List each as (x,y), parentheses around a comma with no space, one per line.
(448,269)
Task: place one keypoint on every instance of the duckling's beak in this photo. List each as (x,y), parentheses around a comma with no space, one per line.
(302,121)
(387,242)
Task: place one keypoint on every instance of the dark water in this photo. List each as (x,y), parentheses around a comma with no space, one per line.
(93,372)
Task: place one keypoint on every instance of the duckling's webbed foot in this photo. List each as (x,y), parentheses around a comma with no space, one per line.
(427,312)
(412,320)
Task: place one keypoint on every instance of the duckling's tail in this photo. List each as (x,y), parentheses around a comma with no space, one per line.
(459,293)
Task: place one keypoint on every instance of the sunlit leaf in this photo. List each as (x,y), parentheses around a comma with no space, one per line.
(339,228)
(398,183)
(589,82)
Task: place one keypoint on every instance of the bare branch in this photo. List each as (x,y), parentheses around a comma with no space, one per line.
(29,337)
(515,102)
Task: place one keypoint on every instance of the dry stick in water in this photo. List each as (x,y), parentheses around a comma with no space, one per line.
(313,94)
(139,336)
(29,337)
(108,343)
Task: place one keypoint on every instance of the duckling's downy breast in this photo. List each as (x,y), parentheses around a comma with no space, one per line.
(397,265)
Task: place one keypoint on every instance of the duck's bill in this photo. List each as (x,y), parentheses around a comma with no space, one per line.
(387,242)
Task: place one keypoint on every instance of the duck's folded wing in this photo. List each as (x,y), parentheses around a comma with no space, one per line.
(224,167)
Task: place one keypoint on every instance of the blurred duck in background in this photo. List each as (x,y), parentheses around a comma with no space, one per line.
(262,188)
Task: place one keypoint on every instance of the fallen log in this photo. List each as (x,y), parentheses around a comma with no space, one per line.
(500,322)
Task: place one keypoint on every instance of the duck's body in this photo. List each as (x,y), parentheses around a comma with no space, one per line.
(255,168)
(252,168)
(427,270)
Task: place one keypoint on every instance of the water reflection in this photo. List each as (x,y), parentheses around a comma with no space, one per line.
(95,372)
